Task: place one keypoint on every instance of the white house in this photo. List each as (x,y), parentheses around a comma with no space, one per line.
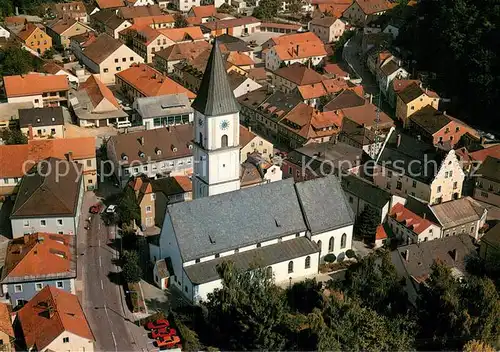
(241,84)
(106,56)
(49,201)
(163,110)
(288,233)
(287,54)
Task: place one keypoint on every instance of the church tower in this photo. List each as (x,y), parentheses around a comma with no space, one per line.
(216,152)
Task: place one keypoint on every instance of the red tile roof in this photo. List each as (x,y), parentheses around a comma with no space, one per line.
(182,34)
(203,11)
(239,59)
(34,84)
(370,7)
(13,157)
(299,74)
(27,31)
(310,123)
(97,91)
(152,83)
(246,136)
(366,115)
(409,219)
(185,183)
(380,234)
(50,313)
(296,38)
(480,155)
(335,69)
(5,321)
(39,255)
(299,51)
(149,20)
(108,4)
(399,85)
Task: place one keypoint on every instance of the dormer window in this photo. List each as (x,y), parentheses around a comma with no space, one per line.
(174,148)
(158,151)
(124,156)
(141,154)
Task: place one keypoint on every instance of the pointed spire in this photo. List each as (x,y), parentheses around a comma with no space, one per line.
(215,96)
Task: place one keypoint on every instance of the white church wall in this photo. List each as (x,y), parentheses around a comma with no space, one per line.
(280,273)
(170,248)
(337,237)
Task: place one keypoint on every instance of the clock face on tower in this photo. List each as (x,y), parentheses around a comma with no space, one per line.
(200,121)
(224,125)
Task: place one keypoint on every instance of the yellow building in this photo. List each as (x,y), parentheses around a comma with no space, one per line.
(412,99)
(35,39)
(250,142)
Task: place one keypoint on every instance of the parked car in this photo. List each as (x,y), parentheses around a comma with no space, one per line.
(111,208)
(169,342)
(96,208)
(157,324)
(166,331)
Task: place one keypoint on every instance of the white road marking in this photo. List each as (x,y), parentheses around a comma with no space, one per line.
(102,286)
(99,243)
(109,321)
(100,262)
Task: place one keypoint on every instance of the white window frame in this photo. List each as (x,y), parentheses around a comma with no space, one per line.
(60,284)
(26,223)
(38,286)
(60,222)
(148,207)
(16,290)
(43,223)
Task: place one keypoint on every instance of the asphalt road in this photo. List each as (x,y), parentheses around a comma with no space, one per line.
(101,296)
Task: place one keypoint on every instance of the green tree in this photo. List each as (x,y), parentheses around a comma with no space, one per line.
(374,281)
(477,346)
(305,295)
(180,21)
(330,258)
(226,8)
(248,312)
(267,9)
(451,312)
(14,136)
(15,60)
(295,6)
(128,210)
(131,269)
(367,223)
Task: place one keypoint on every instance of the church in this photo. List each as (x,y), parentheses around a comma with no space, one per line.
(283,226)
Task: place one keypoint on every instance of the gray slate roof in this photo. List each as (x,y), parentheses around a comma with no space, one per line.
(263,257)
(324,204)
(216,224)
(215,96)
(365,190)
(421,256)
(36,117)
(458,212)
(163,105)
(490,169)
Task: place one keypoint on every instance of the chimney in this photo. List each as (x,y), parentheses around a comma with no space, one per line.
(426,90)
(70,156)
(424,216)
(249,128)
(371,98)
(30,132)
(297,49)
(399,140)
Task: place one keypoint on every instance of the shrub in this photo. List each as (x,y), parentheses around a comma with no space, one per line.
(350,254)
(330,258)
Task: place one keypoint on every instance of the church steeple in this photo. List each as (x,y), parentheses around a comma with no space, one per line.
(215,96)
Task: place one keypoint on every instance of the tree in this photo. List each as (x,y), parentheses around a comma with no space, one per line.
(375,282)
(350,254)
(367,223)
(131,269)
(295,6)
(305,295)
(451,312)
(330,258)
(248,312)
(15,60)
(267,9)
(14,136)
(225,8)
(477,346)
(128,210)
(180,21)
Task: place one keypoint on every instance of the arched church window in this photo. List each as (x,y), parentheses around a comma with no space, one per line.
(331,244)
(343,240)
(223,141)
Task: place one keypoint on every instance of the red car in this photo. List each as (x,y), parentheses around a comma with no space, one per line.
(158,334)
(96,208)
(168,342)
(157,324)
